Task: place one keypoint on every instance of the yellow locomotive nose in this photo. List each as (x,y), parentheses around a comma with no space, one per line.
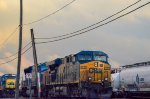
(95,72)
(10,83)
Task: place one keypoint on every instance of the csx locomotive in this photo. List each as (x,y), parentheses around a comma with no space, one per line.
(7,85)
(85,74)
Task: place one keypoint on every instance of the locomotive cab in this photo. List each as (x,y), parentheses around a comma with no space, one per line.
(94,72)
(94,67)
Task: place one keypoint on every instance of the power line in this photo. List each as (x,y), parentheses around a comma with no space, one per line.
(11,34)
(94,23)
(16,52)
(50,13)
(98,25)
(16,57)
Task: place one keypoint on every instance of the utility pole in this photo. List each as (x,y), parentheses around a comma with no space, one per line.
(19,53)
(30,83)
(36,64)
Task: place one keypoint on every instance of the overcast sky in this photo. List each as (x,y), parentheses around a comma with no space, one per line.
(126,40)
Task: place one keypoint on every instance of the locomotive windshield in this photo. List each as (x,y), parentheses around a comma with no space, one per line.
(87,56)
(94,57)
(11,77)
(84,57)
(11,83)
(100,58)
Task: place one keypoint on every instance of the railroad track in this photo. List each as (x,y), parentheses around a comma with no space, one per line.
(140,97)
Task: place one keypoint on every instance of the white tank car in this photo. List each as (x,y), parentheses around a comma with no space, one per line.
(135,77)
(115,81)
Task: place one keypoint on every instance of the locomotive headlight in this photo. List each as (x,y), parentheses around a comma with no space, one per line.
(90,78)
(106,78)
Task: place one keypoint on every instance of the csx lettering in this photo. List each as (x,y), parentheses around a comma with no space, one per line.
(95,70)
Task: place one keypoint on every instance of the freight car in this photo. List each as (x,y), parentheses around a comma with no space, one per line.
(85,74)
(7,85)
(115,76)
(134,80)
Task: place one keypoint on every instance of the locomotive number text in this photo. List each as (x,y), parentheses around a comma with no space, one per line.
(95,70)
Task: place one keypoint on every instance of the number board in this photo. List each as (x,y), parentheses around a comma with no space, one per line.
(29,75)
(95,70)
